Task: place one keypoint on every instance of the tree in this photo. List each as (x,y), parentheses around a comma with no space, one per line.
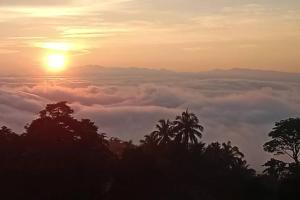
(88,133)
(187,128)
(118,147)
(275,168)
(9,142)
(150,140)
(57,111)
(227,156)
(58,146)
(285,139)
(234,155)
(164,132)
(56,124)
(7,135)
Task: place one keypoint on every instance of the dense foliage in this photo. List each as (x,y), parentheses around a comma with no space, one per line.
(60,157)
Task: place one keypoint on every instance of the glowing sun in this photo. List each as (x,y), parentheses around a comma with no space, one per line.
(56,62)
(56,57)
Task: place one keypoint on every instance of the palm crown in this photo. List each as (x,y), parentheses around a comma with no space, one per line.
(188,129)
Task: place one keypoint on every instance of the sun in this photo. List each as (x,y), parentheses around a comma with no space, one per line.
(56,62)
(56,57)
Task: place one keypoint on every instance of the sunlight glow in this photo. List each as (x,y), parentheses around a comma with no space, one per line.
(56,62)
(56,55)
(56,46)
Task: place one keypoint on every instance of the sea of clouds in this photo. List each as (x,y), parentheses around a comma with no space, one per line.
(237,105)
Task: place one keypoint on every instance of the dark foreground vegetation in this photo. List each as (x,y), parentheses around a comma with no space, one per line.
(60,157)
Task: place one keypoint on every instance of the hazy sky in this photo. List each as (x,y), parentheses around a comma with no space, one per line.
(184,35)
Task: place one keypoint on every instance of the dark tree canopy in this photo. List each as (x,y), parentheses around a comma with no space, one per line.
(164,132)
(57,111)
(56,124)
(275,168)
(227,155)
(7,135)
(64,158)
(150,140)
(285,139)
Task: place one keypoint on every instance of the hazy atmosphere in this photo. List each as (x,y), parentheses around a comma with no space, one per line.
(182,35)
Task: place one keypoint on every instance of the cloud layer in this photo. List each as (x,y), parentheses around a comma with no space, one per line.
(236,105)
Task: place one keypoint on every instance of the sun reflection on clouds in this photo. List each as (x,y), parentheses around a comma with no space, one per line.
(55,46)
(69,46)
(60,46)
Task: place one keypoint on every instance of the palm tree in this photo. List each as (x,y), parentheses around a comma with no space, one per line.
(164,132)
(188,129)
(233,156)
(150,140)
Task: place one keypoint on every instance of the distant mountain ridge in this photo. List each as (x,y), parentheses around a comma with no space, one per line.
(94,71)
(235,73)
(244,73)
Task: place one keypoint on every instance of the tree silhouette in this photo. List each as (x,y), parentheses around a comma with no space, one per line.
(118,147)
(227,156)
(88,134)
(59,147)
(285,139)
(9,144)
(7,135)
(187,128)
(61,157)
(234,156)
(57,125)
(275,168)
(164,132)
(150,140)
(57,111)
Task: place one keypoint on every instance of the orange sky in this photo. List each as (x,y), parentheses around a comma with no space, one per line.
(183,35)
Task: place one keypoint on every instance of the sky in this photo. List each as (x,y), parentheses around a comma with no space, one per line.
(179,35)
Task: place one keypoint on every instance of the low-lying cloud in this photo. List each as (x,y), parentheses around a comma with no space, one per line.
(238,106)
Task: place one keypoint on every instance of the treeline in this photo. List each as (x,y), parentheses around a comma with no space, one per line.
(60,157)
